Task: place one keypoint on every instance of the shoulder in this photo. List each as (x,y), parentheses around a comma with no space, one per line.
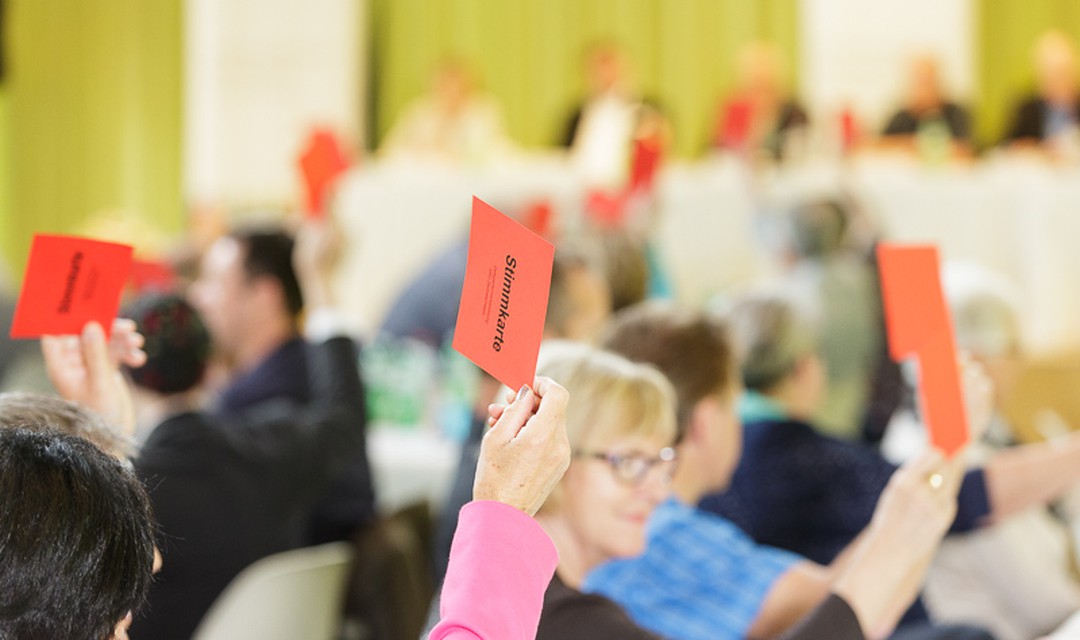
(180,431)
(569,614)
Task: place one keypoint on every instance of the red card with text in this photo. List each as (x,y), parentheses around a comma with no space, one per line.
(504,298)
(69,282)
(322,162)
(919,325)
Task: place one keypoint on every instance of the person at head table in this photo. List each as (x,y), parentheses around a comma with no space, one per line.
(928,115)
(454,123)
(1050,118)
(760,116)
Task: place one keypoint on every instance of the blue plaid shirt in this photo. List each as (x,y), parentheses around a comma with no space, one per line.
(700,577)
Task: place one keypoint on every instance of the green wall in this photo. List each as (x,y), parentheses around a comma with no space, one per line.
(529,53)
(5,168)
(94,115)
(1006,31)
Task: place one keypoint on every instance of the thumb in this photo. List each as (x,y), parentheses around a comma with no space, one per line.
(514,416)
(95,352)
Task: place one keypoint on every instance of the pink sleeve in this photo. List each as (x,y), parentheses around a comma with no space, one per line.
(500,565)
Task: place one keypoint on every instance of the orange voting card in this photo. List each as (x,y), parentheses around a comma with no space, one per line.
(504,298)
(919,325)
(69,282)
(322,162)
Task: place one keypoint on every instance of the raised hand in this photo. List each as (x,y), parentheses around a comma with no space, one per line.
(525,453)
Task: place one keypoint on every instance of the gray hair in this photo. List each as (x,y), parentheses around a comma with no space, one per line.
(38,412)
(770,335)
(983,308)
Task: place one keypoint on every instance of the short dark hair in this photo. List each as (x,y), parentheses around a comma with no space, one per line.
(268,252)
(76,538)
(691,348)
(177,343)
(38,412)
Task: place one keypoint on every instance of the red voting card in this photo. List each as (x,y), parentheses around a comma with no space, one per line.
(322,162)
(645,163)
(607,209)
(504,298)
(152,275)
(69,282)
(737,123)
(539,217)
(919,325)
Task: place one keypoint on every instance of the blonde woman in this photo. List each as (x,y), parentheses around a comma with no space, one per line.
(621,426)
(620,422)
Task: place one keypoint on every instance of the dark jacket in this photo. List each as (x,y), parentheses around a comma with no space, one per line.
(228,491)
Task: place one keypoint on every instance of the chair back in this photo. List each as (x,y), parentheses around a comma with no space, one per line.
(286,596)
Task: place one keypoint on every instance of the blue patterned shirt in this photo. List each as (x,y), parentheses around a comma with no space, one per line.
(700,577)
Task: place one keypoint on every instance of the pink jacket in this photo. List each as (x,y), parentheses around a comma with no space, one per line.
(501,562)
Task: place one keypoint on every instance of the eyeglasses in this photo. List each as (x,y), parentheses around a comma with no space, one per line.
(632,468)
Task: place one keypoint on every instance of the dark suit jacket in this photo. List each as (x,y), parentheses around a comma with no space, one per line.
(1029,120)
(280,386)
(227,492)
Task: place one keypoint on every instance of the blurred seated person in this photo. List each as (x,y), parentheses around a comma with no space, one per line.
(454,123)
(700,576)
(427,308)
(1017,578)
(621,426)
(760,116)
(928,113)
(797,489)
(839,288)
(248,295)
(228,491)
(601,128)
(1051,117)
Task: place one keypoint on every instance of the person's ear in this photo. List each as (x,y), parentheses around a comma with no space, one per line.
(120,632)
(702,420)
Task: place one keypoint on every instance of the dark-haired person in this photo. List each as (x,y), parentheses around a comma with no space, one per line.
(230,490)
(76,539)
(249,295)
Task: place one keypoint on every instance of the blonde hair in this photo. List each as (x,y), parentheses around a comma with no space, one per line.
(610,397)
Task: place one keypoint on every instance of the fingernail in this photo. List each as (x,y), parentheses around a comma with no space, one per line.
(522,392)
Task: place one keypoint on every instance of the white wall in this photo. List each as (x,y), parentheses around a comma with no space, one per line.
(856,51)
(259,74)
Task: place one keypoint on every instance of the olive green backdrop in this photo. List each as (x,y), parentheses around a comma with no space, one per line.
(93,103)
(90,109)
(529,54)
(1005,33)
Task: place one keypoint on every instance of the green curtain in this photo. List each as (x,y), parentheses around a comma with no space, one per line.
(94,116)
(5,169)
(1006,32)
(529,54)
